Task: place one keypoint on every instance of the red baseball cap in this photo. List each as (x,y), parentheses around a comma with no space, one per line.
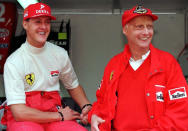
(136,11)
(36,10)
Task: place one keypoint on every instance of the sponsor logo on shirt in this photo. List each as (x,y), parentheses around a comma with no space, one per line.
(54,73)
(159,96)
(177,93)
(30,79)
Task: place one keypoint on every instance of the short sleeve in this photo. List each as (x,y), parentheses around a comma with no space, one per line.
(67,74)
(14,85)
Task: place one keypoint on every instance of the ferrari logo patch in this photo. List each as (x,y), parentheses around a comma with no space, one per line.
(30,79)
(111,75)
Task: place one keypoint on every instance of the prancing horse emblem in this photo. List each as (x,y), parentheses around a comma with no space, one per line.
(30,78)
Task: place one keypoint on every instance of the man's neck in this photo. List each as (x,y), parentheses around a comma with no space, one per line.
(35,44)
(137,54)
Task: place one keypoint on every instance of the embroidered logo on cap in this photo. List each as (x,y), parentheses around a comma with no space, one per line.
(54,73)
(140,10)
(177,93)
(30,79)
(42,11)
(42,6)
(159,96)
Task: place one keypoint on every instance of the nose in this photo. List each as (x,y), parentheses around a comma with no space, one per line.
(146,30)
(43,25)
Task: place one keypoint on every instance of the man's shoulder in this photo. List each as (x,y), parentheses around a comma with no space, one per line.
(116,58)
(55,48)
(115,62)
(16,55)
(163,57)
(163,54)
(57,51)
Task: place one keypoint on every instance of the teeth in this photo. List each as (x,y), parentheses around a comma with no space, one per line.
(144,38)
(41,33)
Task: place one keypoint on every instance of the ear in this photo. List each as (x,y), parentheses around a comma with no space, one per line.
(125,29)
(24,24)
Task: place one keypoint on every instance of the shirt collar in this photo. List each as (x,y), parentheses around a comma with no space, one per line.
(143,57)
(33,49)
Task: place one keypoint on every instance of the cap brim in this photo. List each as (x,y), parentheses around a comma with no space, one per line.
(51,17)
(154,17)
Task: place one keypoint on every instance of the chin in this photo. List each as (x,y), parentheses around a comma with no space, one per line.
(144,46)
(42,40)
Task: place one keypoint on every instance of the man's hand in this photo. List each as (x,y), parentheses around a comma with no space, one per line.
(84,115)
(69,114)
(95,121)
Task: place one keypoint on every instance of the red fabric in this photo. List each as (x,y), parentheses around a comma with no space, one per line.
(36,10)
(64,126)
(4,118)
(25,126)
(44,101)
(131,109)
(136,11)
(8,22)
(53,126)
(170,115)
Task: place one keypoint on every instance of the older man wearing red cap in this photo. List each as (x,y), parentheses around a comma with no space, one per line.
(31,77)
(143,88)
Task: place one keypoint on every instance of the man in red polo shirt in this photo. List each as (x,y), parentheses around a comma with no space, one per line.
(143,88)
(31,76)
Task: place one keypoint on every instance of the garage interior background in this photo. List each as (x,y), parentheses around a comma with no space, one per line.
(96,33)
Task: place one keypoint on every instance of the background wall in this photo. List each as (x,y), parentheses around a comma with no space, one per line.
(97,38)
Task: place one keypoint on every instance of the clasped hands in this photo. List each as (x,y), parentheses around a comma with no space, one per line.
(70,114)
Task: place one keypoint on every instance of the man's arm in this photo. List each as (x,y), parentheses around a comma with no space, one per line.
(21,112)
(81,99)
(79,96)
